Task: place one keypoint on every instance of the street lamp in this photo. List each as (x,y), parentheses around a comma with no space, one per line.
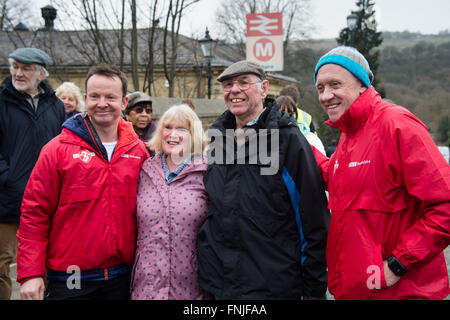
(352,21)
(207,49)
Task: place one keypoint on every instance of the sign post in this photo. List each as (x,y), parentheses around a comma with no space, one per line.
(265,40)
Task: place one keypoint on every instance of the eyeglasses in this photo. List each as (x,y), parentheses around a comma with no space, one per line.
(242,84)
(140,109)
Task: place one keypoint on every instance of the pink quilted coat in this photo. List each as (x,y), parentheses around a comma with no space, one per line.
(168,219)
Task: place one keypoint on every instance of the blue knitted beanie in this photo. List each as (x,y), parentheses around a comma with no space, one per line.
(350,59)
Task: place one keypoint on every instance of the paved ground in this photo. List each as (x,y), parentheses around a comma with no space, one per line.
(16,295)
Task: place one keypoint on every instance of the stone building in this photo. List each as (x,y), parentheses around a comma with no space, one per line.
(74,52)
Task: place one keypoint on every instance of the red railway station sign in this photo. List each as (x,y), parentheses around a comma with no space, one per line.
(265,40)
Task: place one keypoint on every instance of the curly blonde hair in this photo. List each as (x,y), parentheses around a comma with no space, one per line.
(185,114)
(72,89)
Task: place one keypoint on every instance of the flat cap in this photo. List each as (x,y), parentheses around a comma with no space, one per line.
(31,55)
(242,67)
(138,97)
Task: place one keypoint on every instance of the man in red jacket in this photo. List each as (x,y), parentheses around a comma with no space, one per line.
(389,190)
(79,208)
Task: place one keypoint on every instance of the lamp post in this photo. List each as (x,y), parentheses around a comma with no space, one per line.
(352,21)
(207,48)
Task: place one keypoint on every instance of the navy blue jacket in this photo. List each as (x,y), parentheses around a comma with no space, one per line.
(265,234)
(23,133)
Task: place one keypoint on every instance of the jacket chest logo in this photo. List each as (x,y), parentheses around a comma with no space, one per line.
(84,156)
(129,156)
(336,165)
(357,164)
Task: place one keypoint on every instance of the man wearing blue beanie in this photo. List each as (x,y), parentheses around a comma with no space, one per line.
(389,190)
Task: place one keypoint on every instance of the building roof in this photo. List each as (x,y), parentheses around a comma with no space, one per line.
(80,49)
(84,48)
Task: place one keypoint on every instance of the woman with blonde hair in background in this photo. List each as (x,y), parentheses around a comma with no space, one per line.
(70,94)
(171,207)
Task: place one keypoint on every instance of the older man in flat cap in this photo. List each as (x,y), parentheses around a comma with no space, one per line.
(389,189)
(265,235)
(30,116)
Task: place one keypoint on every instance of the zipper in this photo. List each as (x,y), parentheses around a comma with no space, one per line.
(113,244)
(95,138)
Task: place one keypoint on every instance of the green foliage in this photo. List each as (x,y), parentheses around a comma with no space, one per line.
(444,130)
(365,38)
(415,76)
(418,78)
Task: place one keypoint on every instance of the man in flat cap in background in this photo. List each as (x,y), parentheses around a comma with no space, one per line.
(30,116)
(139,113)
(389,189)
(265,234)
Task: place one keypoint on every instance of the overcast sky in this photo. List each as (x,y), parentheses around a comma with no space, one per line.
(329,16)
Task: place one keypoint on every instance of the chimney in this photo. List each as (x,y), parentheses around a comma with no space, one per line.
(49,15)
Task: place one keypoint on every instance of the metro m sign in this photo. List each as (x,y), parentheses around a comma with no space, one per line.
(265,40)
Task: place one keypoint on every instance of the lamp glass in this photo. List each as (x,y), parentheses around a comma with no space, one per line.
(352,20)
(206,44)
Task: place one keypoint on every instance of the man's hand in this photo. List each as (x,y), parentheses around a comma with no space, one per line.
(33,289)
(389,276)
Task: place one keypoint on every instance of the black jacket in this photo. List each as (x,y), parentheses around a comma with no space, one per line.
(23,132)
(265,235)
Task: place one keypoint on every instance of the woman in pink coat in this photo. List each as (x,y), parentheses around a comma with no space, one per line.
(171,207)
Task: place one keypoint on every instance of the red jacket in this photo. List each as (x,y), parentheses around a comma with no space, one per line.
(78,208)
(389,189)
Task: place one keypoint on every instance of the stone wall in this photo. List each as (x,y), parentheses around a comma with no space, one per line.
(207,110)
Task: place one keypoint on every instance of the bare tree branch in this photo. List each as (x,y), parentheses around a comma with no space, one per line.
(134,47)
(231,19)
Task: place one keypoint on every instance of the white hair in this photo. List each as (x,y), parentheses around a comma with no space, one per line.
(71,89)
(259,85)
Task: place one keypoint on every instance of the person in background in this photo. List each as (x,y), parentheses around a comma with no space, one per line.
(30,116)
(139,112)
(389,190)
(288,105)
(70,94)
(265,233)
(79,208)
(302,116)
(331,148)
(171,207)
(189,102)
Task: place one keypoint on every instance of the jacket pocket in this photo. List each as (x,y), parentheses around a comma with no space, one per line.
(144,276)
(79,194)
(375,272)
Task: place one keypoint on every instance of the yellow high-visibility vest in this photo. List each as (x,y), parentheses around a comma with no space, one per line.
(304,117)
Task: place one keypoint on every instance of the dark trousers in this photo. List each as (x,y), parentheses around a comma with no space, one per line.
(112,289)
